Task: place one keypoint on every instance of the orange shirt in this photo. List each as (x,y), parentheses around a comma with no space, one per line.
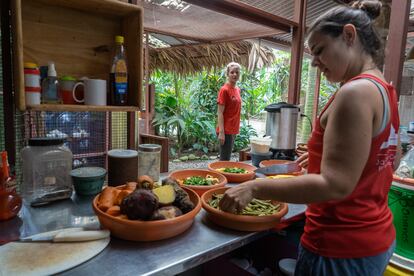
(229,96)
(359,225)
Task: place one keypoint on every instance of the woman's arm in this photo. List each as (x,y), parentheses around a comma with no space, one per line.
(347,142)
(220,118)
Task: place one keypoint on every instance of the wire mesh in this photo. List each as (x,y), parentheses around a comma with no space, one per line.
(89,135)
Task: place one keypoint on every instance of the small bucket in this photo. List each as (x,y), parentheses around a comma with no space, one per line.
(401,203)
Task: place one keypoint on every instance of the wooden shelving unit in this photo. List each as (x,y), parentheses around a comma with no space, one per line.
(77,35)
(80,108)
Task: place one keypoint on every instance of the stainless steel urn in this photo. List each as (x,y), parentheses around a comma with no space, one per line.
(281,124)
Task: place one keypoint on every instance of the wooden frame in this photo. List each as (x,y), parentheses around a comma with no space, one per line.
(77,36)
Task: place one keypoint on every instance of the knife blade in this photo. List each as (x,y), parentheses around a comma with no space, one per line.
(69,235)
(279,169)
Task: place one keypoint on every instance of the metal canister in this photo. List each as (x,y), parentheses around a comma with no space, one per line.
(122,166)
(149,160)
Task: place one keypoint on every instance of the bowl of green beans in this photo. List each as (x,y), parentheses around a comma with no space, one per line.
(258,215)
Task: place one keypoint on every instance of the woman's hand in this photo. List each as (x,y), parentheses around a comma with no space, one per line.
(221,138)
(303,160)
(236,198)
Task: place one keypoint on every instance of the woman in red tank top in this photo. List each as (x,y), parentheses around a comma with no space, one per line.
(348,228)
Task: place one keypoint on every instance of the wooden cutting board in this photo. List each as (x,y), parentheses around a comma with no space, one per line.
(43,258)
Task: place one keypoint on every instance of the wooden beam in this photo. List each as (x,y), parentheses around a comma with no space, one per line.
(246,12)
(298,34)
(175,35)
(396,42)
(249,36)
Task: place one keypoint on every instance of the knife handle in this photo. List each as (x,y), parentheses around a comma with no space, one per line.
(75,236)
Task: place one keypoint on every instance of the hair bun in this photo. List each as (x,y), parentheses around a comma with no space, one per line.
(371,7)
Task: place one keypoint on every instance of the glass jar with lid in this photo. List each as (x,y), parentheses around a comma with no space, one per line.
(149,160)
(47,163)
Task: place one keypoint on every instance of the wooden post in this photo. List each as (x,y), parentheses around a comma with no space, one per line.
(147,117)
(8,99)
(298,34)
(397,36)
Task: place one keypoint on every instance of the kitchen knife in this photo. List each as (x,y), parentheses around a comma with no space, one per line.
(69,235)
(279,169)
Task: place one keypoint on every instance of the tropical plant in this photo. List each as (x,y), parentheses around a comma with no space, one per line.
(242,140)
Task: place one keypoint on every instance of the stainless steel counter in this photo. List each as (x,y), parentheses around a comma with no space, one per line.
(201,243)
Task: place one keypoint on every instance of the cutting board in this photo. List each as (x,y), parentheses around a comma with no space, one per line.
(22,258)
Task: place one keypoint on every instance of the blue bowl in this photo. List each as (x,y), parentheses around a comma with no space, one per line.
(88,180)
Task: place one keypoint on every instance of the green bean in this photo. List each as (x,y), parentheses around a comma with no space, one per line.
(256,207)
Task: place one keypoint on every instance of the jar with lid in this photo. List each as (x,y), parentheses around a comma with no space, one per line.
(47,163)
(149,160)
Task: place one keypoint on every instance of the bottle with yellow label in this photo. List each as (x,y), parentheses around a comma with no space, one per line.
(118,79)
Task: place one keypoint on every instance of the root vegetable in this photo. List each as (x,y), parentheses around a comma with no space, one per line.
(182,200)
(121,195)
(165,194)
(167,212)
(114,211)
(145,182)
(140,204)
(107,198)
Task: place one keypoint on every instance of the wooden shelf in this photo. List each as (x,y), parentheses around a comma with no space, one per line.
(77,35)
(80,108)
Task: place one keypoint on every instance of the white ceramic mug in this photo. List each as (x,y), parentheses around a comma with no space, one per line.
(94,91)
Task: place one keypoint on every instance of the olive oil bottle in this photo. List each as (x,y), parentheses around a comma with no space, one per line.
(118,78)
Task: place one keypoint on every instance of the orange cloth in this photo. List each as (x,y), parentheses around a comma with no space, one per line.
(229,96)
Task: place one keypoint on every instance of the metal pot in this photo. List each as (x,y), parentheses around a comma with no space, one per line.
(281,125)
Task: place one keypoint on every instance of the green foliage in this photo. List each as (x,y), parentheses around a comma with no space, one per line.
(186,107)
(243,138)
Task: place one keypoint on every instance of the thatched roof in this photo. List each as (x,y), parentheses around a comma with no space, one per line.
(194,58)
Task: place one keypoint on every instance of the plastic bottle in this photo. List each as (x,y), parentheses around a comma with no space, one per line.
(32,86)
(118,79)
(50,86)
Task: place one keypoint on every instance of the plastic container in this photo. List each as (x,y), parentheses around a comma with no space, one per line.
(46,168)
(118,79)
(32,86)
(149,160)
(50,93)
(260,145)
(259,157)
(401,203)
(88,180)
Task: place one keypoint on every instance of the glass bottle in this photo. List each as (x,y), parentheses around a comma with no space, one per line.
(118,79)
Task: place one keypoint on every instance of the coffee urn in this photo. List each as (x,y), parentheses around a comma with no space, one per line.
(281,126)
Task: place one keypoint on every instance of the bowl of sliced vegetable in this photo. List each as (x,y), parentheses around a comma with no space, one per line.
(258,215)
(199,181)
(235,172)
(144,211)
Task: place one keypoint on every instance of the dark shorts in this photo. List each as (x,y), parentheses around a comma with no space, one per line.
(227,148)
(312,264)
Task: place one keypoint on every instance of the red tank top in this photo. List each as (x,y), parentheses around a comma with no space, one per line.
(359,225)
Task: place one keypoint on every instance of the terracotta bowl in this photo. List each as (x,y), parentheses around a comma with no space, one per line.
(240,222)
(135,230)
(266,163)
(182,174)
(234,177)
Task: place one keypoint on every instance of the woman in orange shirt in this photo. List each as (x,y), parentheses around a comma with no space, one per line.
(228,111)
